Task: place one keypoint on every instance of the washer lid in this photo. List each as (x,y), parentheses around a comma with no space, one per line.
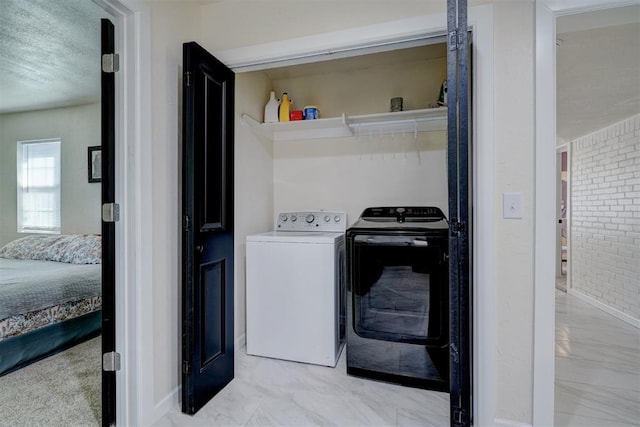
(296,237)
(394,225)
(402,218)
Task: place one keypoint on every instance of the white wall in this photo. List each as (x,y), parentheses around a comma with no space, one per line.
(605,216)
(350,174)
(172,24)
(514,172)
(78,128)
(232,24)
(253,183)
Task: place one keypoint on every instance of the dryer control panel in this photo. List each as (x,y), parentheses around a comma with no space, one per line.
(312,221)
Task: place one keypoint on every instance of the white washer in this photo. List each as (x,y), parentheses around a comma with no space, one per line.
(296,288)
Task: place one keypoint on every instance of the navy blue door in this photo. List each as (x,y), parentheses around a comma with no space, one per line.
(207,241)
(460,202)
(108,228)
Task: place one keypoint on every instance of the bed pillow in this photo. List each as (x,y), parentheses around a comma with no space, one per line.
(30,247)
(74,249)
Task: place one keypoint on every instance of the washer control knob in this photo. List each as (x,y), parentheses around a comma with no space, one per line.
(294,218)
(309,218)
(283,218)
(327,218)
(337,218)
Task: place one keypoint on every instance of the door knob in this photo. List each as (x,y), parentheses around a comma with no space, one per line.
(199,248)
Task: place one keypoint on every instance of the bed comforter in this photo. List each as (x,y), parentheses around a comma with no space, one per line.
(36,293)
(50,296)
(46,279)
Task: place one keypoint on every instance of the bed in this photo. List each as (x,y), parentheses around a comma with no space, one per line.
(50,296)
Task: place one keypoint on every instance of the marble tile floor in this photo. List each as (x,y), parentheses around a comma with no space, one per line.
(561,283)
(597,385)
(269,392)
(597,367)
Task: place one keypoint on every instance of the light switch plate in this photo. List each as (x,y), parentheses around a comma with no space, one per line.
(512,205)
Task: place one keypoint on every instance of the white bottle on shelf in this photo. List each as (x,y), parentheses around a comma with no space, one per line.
(271,109)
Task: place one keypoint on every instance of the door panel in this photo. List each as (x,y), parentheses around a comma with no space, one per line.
(108,228)
(212,155)
(460,202)
(212,279)
(207,244)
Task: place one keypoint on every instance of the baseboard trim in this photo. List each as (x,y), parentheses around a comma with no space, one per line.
(169,402)
(501,422)
(241,341)
(608,309)
(172,400)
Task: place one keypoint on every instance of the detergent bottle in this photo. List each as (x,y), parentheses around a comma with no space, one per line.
(285,108)
(271,109)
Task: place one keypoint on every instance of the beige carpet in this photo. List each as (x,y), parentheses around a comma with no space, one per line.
(62,390)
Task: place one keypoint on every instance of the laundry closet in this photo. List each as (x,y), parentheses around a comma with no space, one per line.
(292,178)
(357,154)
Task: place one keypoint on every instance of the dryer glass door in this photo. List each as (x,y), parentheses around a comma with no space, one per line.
(400,289)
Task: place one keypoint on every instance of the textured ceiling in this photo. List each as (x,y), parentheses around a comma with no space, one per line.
(597,70)
(49,53)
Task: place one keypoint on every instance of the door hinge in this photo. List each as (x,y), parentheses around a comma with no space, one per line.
(111,212)
(455,40)
(186,367)
(187,79)
(187,223)
(110,62)
(453,351)
(459,418)
(111,361)
(456,226)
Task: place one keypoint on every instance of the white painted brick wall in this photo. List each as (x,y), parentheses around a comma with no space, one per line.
(605,216)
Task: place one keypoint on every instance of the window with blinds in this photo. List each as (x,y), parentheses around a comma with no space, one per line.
(38,171)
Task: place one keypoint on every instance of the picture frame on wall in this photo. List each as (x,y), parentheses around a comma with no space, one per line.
(95,163)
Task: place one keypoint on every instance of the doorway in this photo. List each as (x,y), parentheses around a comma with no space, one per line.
(562,209)
(462,227)
(545,292)
(61,99)
(354,161)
